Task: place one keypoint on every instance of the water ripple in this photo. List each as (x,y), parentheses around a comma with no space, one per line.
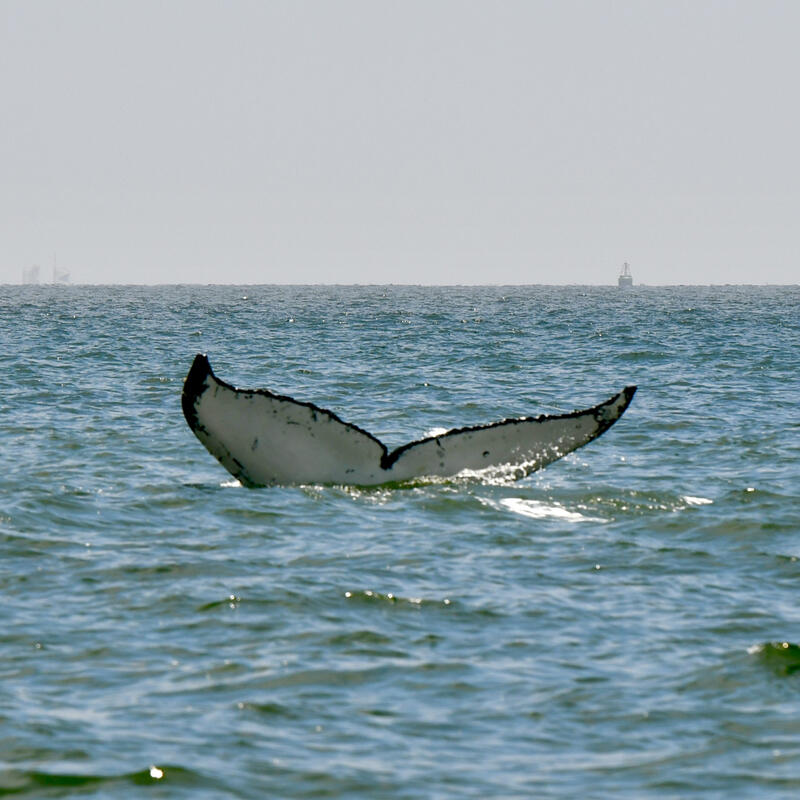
(621,624)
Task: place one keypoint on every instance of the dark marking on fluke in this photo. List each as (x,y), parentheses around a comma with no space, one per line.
(329,450)
(193,387)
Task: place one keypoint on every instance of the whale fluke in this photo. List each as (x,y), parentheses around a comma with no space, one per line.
(266,439)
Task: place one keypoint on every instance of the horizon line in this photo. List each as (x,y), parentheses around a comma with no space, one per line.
(420,285)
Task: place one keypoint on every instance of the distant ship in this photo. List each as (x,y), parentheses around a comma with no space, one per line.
(625,280)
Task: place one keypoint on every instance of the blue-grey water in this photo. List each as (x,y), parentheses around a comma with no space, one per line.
(624,623)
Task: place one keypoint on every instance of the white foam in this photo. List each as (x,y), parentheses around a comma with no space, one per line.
(537,509)
(696,501)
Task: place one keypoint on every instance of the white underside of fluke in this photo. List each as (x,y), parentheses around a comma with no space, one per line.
(265,439)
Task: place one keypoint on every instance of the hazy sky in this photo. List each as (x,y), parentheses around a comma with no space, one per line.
(363,141)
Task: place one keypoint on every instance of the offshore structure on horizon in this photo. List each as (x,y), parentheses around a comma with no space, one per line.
(30,275)
(625,280)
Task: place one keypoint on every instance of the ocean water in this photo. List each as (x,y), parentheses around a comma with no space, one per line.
(624,623)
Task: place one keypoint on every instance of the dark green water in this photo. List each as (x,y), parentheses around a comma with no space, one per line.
(622,624)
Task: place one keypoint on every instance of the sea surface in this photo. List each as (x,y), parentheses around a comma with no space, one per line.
(622,624)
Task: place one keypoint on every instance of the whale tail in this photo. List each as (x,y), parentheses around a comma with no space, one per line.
(264,438)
